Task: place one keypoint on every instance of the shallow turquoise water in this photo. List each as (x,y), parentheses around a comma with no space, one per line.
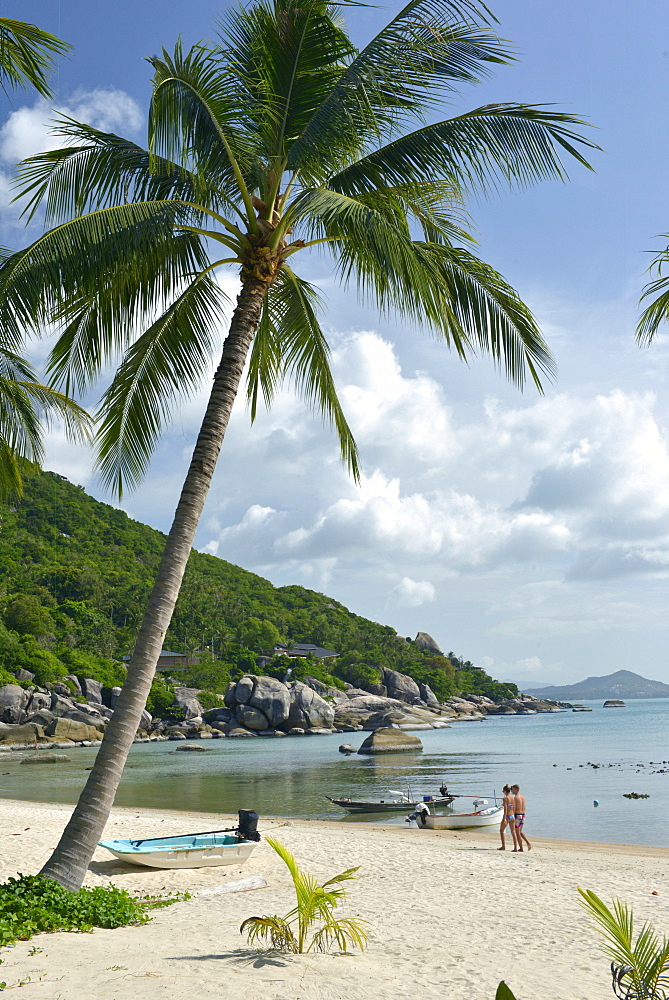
(290,777)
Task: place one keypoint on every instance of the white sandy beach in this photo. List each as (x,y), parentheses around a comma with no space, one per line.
(449,915)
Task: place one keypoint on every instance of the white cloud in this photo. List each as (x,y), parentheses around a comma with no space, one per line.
(29,130)
(413,592)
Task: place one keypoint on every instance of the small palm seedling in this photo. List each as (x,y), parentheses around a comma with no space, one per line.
(315,905)
(639,969)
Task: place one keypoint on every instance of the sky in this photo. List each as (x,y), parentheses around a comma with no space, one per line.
(527,533)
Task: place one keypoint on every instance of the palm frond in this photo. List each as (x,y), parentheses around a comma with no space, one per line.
(518,144)
(194,122)
(658,291)
(165,364)
(491,317)
(96,170)
(290,343)
(26,408)
(430,47)
(101,274)
(28,55)
(642,964)
(284,58)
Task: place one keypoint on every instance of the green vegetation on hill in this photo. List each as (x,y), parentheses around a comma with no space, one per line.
(75,575)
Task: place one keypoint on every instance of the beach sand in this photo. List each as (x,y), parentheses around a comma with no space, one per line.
(449,915)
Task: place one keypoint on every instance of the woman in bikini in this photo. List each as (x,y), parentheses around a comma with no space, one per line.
(509,818)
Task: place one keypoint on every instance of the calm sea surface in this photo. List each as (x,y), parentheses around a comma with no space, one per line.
(546,754)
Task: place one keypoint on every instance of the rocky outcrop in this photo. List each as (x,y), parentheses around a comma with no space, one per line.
(272,698)
(390,741)
(372,712)
(70,729)
(252,717)
(400,686)
(13,701)
(186,698)
(92,691)
(268,706)
(307,709)
(26,733)
(425,641)
(428,696)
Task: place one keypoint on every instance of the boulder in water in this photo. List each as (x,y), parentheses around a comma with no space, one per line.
(390,741)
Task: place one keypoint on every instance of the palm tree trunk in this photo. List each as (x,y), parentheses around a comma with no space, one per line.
(69,862)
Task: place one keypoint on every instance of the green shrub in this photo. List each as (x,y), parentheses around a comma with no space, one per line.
(84,664)
(210,674)
(360,675)
(161,698)
(311,668)
(30,904)
(6,677)
(209,700)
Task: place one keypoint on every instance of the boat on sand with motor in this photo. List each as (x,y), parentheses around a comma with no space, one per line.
(483,815)
(193,850)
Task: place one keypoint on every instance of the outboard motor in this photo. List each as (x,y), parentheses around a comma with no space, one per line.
(248,824)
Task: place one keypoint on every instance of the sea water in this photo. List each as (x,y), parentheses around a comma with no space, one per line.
(549,756)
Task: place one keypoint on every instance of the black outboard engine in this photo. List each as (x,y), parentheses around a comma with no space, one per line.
(248,824)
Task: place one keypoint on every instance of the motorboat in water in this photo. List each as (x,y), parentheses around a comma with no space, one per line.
(192,850)
(483,815)
(397,803)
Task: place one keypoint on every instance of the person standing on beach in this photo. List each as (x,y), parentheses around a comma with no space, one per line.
(519,810)
(509,817)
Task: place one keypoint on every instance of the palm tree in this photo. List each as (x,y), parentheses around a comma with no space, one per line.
(26,57)
(280,138)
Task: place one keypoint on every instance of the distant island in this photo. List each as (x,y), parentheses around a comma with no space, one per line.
(622,684)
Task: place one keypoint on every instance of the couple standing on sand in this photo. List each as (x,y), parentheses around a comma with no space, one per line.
(514,818)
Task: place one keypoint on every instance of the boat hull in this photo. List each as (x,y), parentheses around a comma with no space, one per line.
(392,805)
(181,852)
(460,821)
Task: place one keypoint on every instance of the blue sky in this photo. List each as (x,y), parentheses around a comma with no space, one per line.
(530,534)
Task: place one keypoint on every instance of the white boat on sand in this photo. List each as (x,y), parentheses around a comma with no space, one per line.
(483,815)
(192,850)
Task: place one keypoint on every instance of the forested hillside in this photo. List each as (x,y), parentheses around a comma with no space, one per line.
(75,576)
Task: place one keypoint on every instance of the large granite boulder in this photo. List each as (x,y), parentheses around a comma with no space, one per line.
(251,717)
(244,689)
(91,721)
(13,701)
(71,729)
(428,696)
(93,691)
(219,715)
(318,686)
(186,698)
(425,641)
(400,686)
(145,720)
(24,675)
(113,696)
(59,704)
(271,697)
(390,741)
(38,700)
(41,718)
(26,734)
(74,681)
(307,709)
(229,697)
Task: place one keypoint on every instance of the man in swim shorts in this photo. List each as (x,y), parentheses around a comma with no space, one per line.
(520,810)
